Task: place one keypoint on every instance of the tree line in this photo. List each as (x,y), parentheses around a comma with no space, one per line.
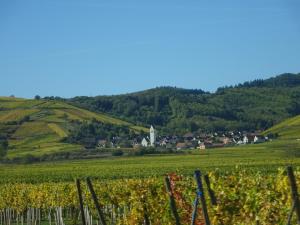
(255,105)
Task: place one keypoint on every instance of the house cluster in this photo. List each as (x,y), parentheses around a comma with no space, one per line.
(202,140)
(187,141)
(219,140)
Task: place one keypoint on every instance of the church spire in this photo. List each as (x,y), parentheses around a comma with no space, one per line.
(152,136)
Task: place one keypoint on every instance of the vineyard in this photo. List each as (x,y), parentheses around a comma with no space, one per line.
(242,198)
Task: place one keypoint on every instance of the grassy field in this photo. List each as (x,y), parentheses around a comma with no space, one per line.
(264,157)
(49,122)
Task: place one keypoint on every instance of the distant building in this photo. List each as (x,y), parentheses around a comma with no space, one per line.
(205,145)
(245,140)
(152,136)
(202,146)
(102,143)
(163,142)
(181,145)
(259,139)
(225,140)
(188,136)
(184,145)
(144,142)
(239,142)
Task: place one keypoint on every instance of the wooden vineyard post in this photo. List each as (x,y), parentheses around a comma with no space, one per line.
(211,193)
(195,208)
(295,196)
(172,201)
(291,214)
(146,218)
(80,201)
(202,197)
(96,202)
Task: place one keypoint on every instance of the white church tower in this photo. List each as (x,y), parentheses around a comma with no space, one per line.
(152,136)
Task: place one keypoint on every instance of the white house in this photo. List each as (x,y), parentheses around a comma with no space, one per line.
(152,136)
(240,142)
(144,142)
(259,139)
(245,140)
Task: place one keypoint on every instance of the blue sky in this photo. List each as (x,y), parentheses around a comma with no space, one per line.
(88,47)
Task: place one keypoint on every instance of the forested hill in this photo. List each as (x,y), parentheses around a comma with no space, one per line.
(258,104)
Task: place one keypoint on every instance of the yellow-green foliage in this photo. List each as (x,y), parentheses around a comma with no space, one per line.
(242,198)
(44,146)
(18,103)
(58,130)
(267,158)
(15,115)
(32,129)
(10,104)
(55,105)
(288,129)
(85,114)
(5,98)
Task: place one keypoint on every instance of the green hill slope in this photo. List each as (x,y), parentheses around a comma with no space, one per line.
(37,127)
(287,130)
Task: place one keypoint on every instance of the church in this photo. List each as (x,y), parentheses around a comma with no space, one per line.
(152,139)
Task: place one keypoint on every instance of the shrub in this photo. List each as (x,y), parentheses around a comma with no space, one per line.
(117,153)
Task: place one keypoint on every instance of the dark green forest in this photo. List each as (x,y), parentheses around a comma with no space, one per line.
(88,133)
(253,105)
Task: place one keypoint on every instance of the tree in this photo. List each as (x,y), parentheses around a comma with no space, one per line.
(25,119)
(253,105)
(3,147)
(294,108)
(37,97)
(156,103)
(117,152)
(29,159)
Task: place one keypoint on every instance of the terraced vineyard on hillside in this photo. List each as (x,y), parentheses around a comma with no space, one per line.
(37,126)
(288,129)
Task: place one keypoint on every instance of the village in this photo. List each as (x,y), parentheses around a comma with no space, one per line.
(187,141)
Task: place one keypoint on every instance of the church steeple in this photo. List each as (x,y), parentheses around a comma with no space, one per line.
(152,136)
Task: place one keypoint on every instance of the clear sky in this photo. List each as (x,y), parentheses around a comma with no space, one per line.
(95,47)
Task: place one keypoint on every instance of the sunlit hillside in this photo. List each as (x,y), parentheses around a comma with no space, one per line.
(288,129)
(38,126)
